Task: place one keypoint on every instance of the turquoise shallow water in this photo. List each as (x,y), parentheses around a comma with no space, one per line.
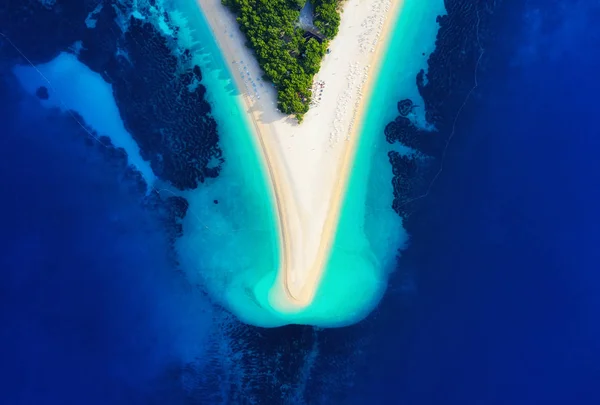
(230,246)
(370,233)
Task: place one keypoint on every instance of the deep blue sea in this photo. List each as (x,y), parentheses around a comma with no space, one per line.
(505,246)
(91,311)
(495,301)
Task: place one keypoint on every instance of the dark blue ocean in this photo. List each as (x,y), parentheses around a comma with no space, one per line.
(503,262)
(505,248)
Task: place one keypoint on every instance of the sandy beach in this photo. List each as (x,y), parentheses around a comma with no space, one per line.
(309,164)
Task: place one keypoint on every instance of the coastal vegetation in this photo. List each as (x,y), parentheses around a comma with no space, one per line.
(288,55)
(327,17)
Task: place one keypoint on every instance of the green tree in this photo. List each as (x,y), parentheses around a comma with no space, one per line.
(287,58)
(327,18)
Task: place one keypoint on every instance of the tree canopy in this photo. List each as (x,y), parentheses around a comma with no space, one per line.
(288,57)
(327,18)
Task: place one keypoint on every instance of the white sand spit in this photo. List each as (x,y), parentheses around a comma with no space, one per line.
(309,164)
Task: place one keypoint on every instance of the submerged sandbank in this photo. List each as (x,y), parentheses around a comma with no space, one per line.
(64,77)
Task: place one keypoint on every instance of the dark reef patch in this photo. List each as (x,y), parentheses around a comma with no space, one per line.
(291,365)
(181,137)
(405,107)
(449,80)
(172,210)
(159,96)
(42,93)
